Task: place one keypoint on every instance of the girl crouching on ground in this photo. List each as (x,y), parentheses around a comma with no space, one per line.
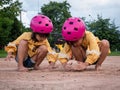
(31,48)
(82,45)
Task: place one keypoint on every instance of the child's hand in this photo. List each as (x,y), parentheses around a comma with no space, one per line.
(67,66)
(98,67)
(81,66)
(51,66)
(9,57)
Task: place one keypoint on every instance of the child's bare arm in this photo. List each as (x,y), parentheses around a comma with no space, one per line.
(9,56)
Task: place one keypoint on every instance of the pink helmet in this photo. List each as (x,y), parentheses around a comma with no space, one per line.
(73,29)
(41,24)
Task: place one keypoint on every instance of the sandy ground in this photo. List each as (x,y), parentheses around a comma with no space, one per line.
(106,79)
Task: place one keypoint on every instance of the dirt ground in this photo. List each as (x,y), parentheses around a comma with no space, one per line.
(106,79)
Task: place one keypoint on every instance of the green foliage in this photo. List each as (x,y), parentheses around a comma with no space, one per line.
(5,28)
(106,30)
(15,30)
(115,53)
(10,9)
(58,13)
(10,27)
(3,2)
(2,54)
(26,29)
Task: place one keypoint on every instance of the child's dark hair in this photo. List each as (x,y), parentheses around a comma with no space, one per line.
(33,36)
(60,41)
(69,42)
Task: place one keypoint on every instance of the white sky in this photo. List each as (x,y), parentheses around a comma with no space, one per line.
(79,8)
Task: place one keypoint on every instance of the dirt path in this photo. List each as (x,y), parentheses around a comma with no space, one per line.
(106,79)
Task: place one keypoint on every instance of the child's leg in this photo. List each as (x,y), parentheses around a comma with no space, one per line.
(79,53)
(22,54)
(104,48)
(41,54)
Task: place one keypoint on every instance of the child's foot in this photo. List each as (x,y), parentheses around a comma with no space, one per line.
(22,69)
(98,67)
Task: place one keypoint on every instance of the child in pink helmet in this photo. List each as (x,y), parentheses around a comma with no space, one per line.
(82,45)
(30,48)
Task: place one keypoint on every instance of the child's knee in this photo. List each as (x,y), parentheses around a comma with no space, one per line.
(43,49)
(105,43)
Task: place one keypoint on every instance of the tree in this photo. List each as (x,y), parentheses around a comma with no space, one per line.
(15,31)
(58,13)
(3,2)
(106,30)
(9,25)
(10,9)
(5,27)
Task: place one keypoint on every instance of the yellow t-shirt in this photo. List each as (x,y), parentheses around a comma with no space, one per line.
(60,46)
(90,42)
(12,46)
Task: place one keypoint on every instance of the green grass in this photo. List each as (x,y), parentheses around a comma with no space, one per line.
(3,53)
(115,53)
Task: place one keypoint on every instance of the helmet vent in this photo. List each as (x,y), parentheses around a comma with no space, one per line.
(68,32)
(71,23)
(76,29)
(46,24)
(64,27)
(79,20)
(39,22)
(35,17)
(42,17)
